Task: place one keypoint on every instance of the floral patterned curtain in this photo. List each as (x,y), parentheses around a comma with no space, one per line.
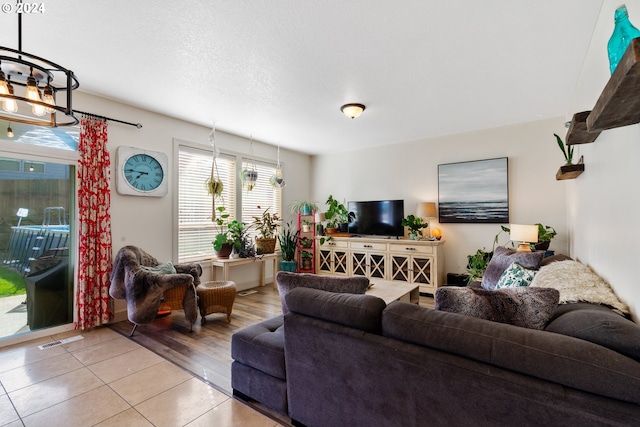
(94,201)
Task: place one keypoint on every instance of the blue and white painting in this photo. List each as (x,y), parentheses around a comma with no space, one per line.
(476,191)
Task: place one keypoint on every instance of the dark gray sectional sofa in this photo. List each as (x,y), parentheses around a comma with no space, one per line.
(349,360)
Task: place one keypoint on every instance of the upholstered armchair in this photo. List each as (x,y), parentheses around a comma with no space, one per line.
(143,282)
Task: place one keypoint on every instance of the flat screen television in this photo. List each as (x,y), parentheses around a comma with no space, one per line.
(377,218)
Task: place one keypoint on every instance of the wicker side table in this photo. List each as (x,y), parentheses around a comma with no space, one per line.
(216,297)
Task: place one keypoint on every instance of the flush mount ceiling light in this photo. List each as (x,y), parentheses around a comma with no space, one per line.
(352,110)
(39,81)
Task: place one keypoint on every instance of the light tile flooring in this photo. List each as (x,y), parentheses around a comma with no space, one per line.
(105,380)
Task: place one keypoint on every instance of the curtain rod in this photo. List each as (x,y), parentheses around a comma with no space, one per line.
(138,125)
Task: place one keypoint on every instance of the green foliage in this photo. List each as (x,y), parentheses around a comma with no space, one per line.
(288,242)
(568,153)
(306,254)
(223,235)
(337,213)
(545,233)
(414,224)
(11,283)
(237,232)
(266,224)
(477,264)
(303,206)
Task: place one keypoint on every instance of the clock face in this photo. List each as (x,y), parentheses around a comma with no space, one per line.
(142,172)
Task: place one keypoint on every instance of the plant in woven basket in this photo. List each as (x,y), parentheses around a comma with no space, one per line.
(266,224)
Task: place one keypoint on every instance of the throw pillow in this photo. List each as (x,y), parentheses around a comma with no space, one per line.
(502,258)
(349,284)
(578,283)
(522,306)
(515,275)
(166,268)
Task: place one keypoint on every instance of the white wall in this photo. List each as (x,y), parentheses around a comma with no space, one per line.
(148,222)
(409,171)
(604,200)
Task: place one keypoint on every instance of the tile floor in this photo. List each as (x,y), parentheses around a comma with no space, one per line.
(104,379)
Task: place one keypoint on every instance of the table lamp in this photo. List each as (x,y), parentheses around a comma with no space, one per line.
(427,210)
(524,234)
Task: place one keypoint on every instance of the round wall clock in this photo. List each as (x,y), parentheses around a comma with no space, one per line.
(142,172)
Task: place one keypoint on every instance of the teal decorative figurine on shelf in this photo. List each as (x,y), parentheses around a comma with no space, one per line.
(623,33)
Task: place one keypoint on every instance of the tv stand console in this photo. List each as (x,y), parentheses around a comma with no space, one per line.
(402,261)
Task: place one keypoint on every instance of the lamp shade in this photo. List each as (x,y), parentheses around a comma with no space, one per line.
(524,233)
(320,217)
(426,210)
(352,110)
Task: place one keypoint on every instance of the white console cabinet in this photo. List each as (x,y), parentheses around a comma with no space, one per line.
(406,261)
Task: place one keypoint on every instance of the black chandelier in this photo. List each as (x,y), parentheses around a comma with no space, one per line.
(44,88)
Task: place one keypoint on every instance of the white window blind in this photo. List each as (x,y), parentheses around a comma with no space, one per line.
(196,231)
(263,194)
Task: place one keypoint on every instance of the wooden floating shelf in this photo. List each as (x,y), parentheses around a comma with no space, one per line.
(618,104)
(570,171)
(578,133)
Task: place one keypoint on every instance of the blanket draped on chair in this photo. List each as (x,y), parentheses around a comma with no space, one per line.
(143,289)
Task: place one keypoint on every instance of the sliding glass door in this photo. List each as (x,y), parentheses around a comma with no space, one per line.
(37,212)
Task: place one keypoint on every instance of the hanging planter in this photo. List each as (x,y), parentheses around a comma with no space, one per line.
(213,183)
(249,175)
(249,178)
(277,180)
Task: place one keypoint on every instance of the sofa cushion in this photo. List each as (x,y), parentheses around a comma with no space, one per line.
(261,346)
(519,306)
(578,283)
(599,325)
(515,275)
(287,281)
(356,311)
(502,258)
(557,358)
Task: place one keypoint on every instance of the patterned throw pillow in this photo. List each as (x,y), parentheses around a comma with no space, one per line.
(502,258)
(522,306)
(516,275)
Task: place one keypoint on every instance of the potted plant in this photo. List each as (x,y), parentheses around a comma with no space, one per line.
(237,235)
(222,242)
(288,240)
(306,225)
(568,153)
(477,264)
(415,226)
(545,234)
(337,216)
(267,224)
(306,260)
(306,242)
(303,207)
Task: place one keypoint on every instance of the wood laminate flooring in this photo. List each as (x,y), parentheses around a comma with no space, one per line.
(206,351)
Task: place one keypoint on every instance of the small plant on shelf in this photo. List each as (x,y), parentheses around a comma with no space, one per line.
(306,260)
(306,242)
(306,225)
(415,226)
(304,207)
(568,152)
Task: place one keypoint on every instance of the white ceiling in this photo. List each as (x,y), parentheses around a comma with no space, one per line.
(280,70)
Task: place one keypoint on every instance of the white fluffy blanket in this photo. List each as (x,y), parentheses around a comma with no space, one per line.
(578,283)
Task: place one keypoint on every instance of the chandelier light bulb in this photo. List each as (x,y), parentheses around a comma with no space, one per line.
(4,89)
(10,105)
(10,132)
(48,99)
(32,92)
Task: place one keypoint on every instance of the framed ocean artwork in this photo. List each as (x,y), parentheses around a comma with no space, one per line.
(474,192)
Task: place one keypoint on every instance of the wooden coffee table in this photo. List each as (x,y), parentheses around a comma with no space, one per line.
(395,291)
